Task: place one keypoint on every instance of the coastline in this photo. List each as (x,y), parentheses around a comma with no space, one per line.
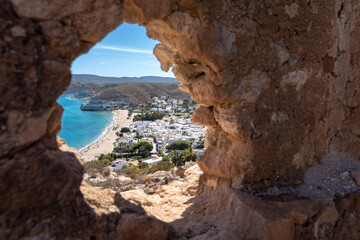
(105,142)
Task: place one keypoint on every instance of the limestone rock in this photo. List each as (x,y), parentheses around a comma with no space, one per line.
(356,176)
(169,201)
(165,56)
(282,52)
(180,172)
(204,116)
(18,31)
(65,148)
(297,79)
(265,218)
(292,10)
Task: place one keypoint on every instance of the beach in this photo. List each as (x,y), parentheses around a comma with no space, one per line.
(105,143)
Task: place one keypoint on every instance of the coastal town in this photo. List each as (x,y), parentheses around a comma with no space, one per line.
(161,133)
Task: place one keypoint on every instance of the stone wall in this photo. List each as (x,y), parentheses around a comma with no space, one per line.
(277,82)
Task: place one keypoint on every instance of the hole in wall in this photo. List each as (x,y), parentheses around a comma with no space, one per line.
(128,119)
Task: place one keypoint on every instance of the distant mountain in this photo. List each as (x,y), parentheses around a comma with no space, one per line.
(88,78)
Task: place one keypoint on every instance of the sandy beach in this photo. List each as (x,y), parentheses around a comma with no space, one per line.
(105,144)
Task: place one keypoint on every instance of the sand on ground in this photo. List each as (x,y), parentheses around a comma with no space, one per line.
(105,144)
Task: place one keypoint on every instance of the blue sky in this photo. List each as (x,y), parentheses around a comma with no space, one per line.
(125,52)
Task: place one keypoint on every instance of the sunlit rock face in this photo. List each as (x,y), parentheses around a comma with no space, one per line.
(277,83)
(275,77)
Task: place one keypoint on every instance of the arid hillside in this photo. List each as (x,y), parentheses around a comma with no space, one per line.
(141,93)
(137,93)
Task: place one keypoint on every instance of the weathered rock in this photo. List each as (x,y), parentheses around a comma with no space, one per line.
(265,218)
(168,202)
(180,172)
(356,176)
(204,116)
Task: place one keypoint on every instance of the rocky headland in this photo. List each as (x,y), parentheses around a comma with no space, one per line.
(112,96)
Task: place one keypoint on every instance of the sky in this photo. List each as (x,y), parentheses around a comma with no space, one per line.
(124,52)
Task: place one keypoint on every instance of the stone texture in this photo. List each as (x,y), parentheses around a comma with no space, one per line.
(278,86)
(170,201)
(242,216)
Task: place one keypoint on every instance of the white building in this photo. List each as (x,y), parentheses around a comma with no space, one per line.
(199,152)
(153,161)
(118,165)
(172,101)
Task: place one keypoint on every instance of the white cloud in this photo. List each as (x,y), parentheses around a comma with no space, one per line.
(149,63)
(123,49)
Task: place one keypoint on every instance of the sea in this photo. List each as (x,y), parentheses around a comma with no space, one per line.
(81,128)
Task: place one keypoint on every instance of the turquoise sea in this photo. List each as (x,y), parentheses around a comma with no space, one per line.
(80,128)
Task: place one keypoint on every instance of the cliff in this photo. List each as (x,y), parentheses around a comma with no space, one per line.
(278,88)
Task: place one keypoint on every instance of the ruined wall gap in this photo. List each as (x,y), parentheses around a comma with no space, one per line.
(278,86)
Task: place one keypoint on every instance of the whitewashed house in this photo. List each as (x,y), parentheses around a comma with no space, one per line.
(118,165)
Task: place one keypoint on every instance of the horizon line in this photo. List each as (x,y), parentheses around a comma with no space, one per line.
(122,76)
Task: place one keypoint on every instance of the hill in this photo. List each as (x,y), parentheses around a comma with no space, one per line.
(89,78)
(109,96)
(80,90)
(141,93)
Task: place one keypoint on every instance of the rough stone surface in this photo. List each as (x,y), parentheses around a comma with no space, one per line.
(241,215)
(278,82)
(169,202)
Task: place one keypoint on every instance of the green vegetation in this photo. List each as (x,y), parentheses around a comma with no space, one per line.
(201,143)
(133,171)
(143,165)
(164,165)
(102,162)
(96,164)
(139,137)
(137,151)
(200,146)
(121,147)
(110,156)
(119,134)
(93,168)
(161,154)
(136,172)
(179,158)
(142,148)
(186,103)
(125,130)
(149,116)
(180,145)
